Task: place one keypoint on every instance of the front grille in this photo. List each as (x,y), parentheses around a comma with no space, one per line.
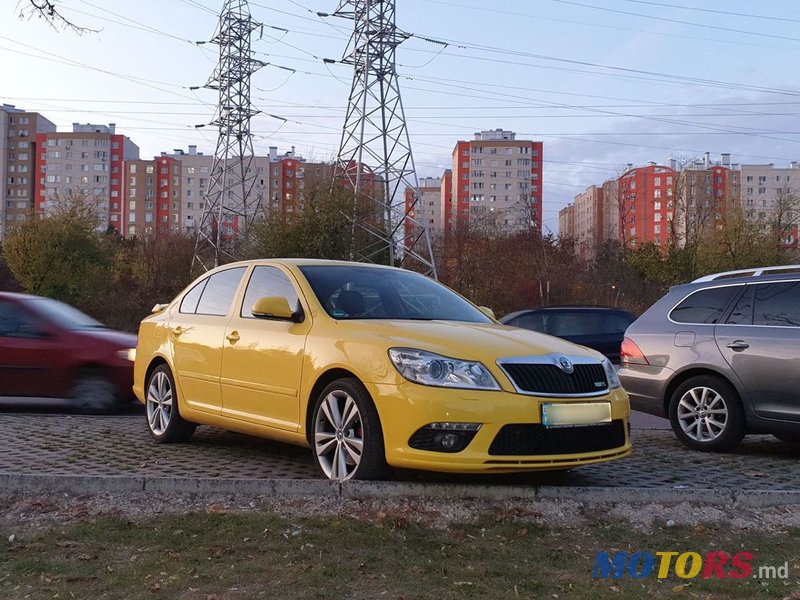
(531,439)
(538,378)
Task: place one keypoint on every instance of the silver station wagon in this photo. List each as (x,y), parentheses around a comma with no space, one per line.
(720,357)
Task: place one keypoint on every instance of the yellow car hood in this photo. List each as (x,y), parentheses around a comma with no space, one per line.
(485,342)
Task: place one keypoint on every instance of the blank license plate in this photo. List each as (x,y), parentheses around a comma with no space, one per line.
(564,414)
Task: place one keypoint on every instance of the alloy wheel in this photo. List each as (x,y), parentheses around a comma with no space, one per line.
(702,414)
(159,403)
(338,436)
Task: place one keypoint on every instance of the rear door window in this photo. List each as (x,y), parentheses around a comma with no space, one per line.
(742,313)
(192,297)
(219,292)
(777,304)
(705,306)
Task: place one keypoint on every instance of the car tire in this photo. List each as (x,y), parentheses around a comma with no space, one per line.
(94,393)
(788,437)
(164,421)
(346,436)
(706,414)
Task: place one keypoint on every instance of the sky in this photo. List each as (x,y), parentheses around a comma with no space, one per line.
(602,83)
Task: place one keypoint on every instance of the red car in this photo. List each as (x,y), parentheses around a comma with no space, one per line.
(50,350)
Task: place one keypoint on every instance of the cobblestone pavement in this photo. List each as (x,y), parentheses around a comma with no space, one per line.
(120,445)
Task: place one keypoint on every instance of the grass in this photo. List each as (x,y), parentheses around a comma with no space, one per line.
(218,555)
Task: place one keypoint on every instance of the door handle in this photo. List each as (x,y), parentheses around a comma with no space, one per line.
(738,345)
(233,337)
(178,330)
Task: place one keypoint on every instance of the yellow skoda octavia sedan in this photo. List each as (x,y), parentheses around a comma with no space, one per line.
(372,367)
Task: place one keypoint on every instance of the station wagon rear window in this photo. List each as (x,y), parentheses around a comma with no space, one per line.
(705,306)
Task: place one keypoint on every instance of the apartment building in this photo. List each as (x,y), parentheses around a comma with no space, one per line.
(168,193)
(87,162)
(497,181)
(610,211)
(657,204)
(592,219)
(429,211)
(588,221)
(646,204)
(566,221)
(18,147)
(154,196)
(771,195)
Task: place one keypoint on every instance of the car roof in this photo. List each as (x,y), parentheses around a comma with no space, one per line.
(306,262)
(699,284)
(567,308)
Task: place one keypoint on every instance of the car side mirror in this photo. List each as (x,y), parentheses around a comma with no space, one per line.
(488,312)
(276,307)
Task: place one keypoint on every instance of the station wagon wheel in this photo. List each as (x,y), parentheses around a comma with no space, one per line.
(346,435)
(164,420)
(706,414)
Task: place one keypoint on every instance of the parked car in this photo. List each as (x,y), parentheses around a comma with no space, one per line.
(372,367)
(720,357)
(596,327)
(49,349)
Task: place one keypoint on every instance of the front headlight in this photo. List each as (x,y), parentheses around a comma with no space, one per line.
(611,375)
(428,368)
(129,354)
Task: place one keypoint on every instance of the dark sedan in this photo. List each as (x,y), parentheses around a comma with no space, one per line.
(596,327)
(50,350)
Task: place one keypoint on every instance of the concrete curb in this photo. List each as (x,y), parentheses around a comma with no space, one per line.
(92,484)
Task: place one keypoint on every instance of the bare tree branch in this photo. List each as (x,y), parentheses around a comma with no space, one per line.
(48,10)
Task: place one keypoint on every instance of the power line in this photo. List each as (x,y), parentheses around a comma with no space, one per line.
(541,17)
(717,12)
(678,21)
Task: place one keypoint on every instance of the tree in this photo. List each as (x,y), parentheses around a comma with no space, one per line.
(143,272)
(7,281)
(48,10)
(61,254)
(323,227)
(746,239)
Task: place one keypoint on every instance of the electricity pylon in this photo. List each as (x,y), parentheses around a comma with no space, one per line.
(375,151)
(232,200)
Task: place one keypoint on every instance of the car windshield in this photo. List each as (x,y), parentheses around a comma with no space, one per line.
(64,315)
(372,293)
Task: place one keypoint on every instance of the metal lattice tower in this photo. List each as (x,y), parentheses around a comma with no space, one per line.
(375,151)
(232,201)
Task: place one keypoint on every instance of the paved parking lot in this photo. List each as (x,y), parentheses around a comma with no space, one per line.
(64,444)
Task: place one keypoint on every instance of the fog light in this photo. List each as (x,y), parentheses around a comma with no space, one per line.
(444,437)
(450,441)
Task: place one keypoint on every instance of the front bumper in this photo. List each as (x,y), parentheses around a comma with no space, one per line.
(405,408)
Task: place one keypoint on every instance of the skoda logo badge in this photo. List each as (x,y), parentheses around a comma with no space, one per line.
(566,364)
